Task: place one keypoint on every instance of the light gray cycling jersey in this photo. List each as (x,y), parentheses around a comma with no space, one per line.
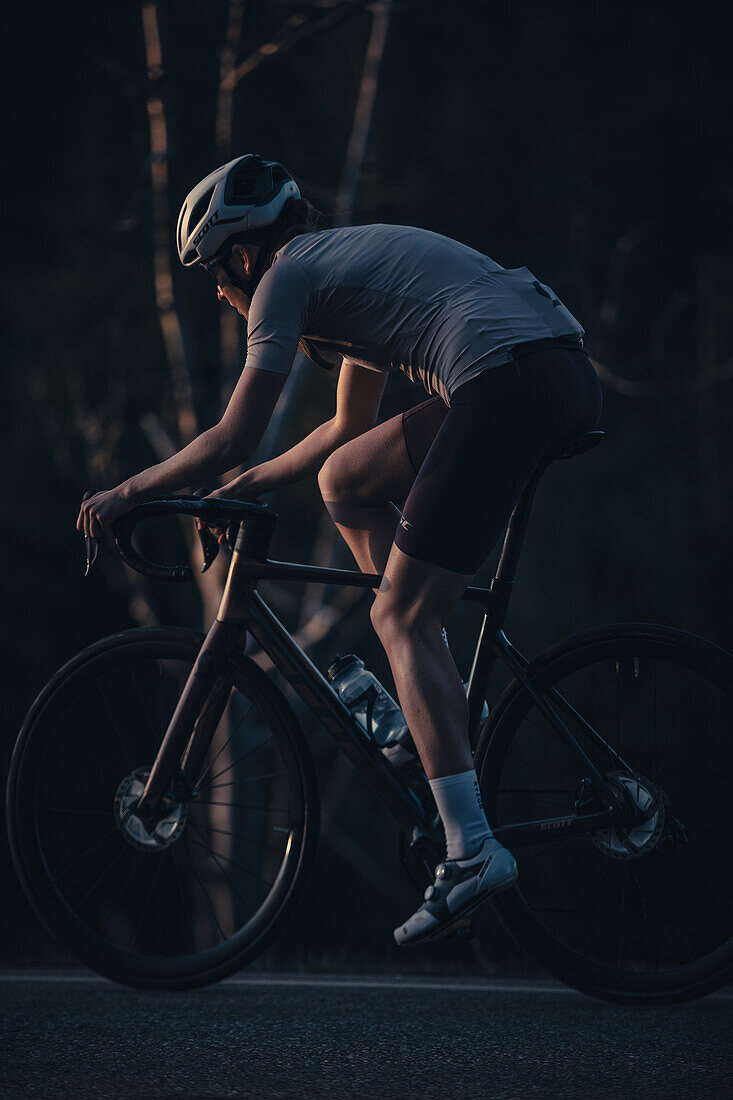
(392,297)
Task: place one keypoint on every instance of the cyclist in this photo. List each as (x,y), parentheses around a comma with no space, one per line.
(503,361)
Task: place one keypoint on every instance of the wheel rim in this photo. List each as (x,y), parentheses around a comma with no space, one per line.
(667,911)
(179,905)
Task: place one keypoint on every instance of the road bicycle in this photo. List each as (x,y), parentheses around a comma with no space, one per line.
(163,807)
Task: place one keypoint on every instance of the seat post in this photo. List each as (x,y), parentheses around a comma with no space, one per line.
(503,581)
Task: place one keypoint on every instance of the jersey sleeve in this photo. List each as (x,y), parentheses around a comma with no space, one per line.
(277,317)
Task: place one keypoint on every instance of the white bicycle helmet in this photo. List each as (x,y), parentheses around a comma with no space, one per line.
(243,196)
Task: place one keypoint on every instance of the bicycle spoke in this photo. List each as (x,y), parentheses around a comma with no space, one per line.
(618,708)
(207,848)
(244,839)
(143,704)
(236,782)
(668,731)
(162,724)
(115,726)
(621,938)
(87,852)
(143,911)
(74,810)
(108,867)
(526,763)
(594,705)
(241,758)
(228,740)
(121,894)
(184,903)
(694,759)
(710,885)
(682,923)
(205,891)
(246,904)
(243,806)
(546,729)
(88,755)
(55,841)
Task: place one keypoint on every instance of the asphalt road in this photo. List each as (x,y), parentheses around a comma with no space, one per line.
(75,1035)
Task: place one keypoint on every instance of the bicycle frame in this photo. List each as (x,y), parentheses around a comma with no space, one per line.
(243,611)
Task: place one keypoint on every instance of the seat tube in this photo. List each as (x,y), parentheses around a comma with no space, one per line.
(515,532)
(480,674)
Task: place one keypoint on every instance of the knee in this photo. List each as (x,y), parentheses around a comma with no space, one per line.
(394,620)
(384,618)
(336,479)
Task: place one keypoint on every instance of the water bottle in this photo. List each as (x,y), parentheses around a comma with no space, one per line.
(373,707)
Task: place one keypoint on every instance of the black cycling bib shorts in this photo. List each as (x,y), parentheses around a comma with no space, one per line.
(474,459)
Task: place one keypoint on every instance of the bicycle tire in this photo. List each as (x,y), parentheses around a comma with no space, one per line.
(517,912)
(172,647)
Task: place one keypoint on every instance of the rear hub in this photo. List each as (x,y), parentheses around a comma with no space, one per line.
(643,818)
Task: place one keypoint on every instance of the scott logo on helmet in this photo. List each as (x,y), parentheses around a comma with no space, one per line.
(206,227)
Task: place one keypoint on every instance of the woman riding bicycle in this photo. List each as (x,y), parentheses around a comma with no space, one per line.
(504,362)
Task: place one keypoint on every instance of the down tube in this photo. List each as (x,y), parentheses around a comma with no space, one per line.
(320,698)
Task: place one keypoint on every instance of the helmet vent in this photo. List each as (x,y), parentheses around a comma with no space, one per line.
(250,186)
(200,209)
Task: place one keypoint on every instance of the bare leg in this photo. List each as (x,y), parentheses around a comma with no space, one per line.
(367,530)
(410,609)
(359,482)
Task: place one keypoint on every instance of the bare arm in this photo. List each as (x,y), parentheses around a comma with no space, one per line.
(230,442)
(358,397)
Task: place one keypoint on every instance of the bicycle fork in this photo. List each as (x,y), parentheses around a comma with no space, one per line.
(183,750)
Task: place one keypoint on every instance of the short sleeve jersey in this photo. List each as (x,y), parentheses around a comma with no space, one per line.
(392,297)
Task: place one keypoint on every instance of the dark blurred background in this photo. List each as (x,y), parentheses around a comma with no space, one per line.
(588,142)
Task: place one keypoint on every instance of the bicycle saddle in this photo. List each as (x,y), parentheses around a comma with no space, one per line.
(573,445)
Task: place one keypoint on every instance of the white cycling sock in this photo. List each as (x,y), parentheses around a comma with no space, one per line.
(458,799)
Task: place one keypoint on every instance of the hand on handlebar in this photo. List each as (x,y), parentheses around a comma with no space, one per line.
(219,529)
(215,511)
(98,510)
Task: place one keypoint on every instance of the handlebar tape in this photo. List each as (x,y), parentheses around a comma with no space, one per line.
(226,511)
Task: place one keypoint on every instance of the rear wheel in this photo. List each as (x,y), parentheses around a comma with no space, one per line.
(205,891)
(644,915)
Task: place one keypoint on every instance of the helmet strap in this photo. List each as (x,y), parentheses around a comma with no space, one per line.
(264,258)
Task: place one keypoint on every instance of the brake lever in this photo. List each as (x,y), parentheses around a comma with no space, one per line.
(92,549)
(209,542)
(209,545)
(91,546)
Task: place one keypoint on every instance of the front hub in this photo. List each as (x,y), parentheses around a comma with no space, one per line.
(153,836)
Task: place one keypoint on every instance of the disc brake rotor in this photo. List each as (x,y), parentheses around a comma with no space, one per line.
(167,829)
(643,836)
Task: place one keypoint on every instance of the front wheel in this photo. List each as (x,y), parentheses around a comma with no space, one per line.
(206,890)
(642,912)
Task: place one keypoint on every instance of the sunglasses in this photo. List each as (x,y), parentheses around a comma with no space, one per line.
(227,270)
